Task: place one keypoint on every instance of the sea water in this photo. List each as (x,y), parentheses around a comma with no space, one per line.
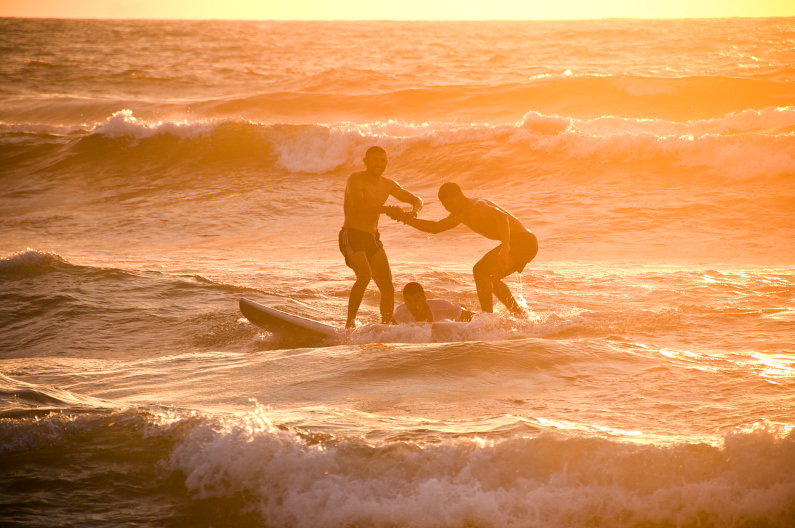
(154,172)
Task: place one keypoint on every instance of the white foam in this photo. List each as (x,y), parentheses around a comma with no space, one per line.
(483,327)
(314,149)
(744,145)
(323,148)
(545,480)
(735,147)
(746,122)
(750,121)
(28,258)
(124,124)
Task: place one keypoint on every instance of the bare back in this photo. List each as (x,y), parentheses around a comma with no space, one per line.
(487,218)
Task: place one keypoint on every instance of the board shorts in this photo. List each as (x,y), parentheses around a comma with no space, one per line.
(354,240)
(524,248)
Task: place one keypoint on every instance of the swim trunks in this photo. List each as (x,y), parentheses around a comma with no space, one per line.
(524,248)
(353,240)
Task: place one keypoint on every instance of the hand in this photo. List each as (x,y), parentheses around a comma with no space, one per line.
(395,213)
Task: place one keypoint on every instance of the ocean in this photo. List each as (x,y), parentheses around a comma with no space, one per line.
(153,173)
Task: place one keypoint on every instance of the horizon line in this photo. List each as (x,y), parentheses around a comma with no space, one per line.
(188,19)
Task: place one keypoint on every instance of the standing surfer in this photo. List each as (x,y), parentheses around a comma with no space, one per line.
(360,243)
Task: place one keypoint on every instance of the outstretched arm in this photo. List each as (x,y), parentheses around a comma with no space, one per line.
(431,226)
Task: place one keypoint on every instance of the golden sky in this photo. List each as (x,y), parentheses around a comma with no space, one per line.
(395,10)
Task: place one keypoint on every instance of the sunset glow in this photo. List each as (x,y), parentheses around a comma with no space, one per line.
(311,264)
(405,10)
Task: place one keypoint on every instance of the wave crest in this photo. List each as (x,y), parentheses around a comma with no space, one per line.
(124,124)
(312,480)
(30,261)
(745,145)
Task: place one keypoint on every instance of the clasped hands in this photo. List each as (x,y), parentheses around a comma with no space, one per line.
(396,213)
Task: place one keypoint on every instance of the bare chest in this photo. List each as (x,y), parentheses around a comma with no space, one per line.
(375,193)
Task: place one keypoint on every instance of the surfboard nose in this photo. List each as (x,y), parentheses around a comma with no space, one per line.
(290,328)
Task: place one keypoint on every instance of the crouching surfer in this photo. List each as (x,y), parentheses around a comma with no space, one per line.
(518,246)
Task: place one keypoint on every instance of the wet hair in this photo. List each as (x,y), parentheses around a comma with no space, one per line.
(413,288)
(450,189)
(373,149)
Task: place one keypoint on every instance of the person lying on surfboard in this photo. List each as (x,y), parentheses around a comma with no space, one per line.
(417,308)
(518,246)
(365,195)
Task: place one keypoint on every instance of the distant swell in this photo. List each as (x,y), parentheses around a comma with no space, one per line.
(327,98)
(583,97)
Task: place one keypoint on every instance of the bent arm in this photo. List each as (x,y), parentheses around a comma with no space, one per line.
(405,196)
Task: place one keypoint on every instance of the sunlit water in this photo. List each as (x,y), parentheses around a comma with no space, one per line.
(153,173)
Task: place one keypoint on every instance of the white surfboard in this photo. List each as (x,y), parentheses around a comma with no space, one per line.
(275,320)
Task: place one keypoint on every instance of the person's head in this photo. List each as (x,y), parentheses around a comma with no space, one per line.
(375,160)
(414,298)
(452,197)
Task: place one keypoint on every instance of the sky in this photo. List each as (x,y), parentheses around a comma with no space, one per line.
(396,10)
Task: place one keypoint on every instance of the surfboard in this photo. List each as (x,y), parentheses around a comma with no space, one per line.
(272,319)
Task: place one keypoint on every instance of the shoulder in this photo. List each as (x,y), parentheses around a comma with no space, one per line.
(443,309)
(402,315)
(391,184)
(481,204)
(485,208)
(355,181)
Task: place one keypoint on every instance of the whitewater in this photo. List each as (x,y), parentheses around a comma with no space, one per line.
(152,173)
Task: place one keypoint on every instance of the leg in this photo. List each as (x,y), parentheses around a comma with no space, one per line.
(488,273)
(524,248)
(505,296)
(361,267)
(482,272)
(382,275)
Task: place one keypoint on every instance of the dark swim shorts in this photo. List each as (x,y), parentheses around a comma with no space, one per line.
(353,240)
(524,248)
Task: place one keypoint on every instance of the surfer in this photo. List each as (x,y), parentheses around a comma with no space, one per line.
(417,308)
(365,195)
(518,246)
